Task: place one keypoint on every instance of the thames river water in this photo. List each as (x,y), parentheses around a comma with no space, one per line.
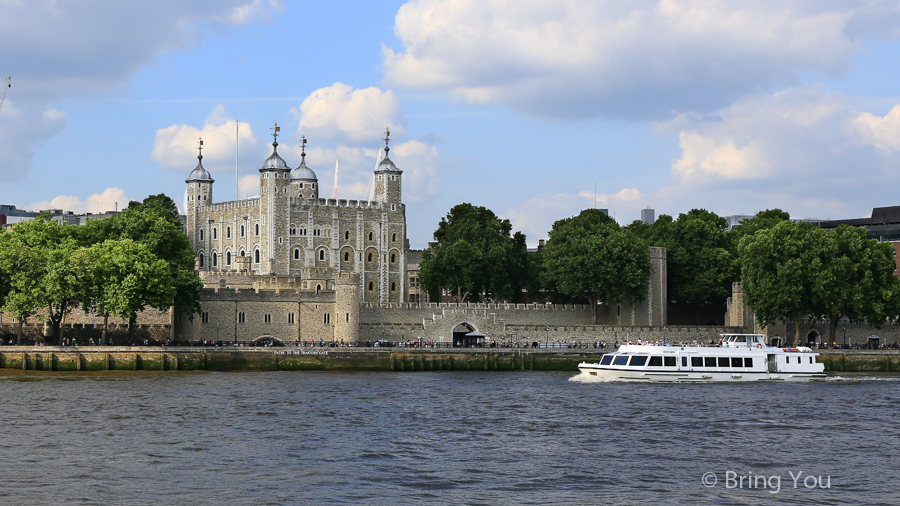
(442,438)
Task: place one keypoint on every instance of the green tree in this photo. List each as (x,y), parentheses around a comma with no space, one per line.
(589,256)
(123,278)
(858,279)
(38,259)
(782,272)
(700,259)
(156,224)
(475,253)
(764,219)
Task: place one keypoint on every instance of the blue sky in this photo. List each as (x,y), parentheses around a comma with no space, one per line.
(522,107)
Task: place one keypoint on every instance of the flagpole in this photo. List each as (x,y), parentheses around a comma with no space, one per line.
(237,125)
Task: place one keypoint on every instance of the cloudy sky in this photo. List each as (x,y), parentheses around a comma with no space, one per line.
(524,106)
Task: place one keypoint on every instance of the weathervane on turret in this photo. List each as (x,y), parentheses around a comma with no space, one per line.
(302,148)
(200,149)
(387,139)
(275,131)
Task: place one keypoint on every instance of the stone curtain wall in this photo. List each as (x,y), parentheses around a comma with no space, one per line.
(523,323)
(857,333)
(150,324)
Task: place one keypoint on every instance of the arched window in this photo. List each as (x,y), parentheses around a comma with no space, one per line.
(297,254)
(318,287)
(293,231)
(321,254)
(201,234)
(257,256)
(369,257)
(201,259)
(371,286)
(242,252)
(346,256)
(257,229)
(227,258)
(228,232)
(394,238)
(215,233)
(393,257)
(242,233)
(347,235)
(393,286)
(215,258)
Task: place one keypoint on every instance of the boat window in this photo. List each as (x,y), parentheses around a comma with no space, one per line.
(724,362)
(638,360)
(683,361)
(696,361)
(710,361)
(737,362)
(606,359)
(748,361)
(670,361)
(810,360)
(655,361)
(740,339)
(620,360)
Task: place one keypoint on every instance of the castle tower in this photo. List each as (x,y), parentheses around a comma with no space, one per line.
(304,183)
(387,178)
(346,307)
(199,193)
(274,181)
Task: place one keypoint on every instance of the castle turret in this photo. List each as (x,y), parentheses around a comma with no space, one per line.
(274,181)
(387,178)
(346,307)
(304,183)
(199,193)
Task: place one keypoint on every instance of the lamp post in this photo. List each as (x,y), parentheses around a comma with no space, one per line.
(332,335)
(547,329)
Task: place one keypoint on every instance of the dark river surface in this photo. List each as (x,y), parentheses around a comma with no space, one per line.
(442,438)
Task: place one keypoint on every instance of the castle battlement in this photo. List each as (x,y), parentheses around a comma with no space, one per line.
(230,205)
(475,306)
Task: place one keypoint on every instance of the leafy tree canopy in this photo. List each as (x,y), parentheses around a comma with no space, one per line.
(857,279)
(589,256)
(701,257)
(155,223)
(475,253)
(781,271)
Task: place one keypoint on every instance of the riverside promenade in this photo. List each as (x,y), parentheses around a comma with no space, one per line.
(225,358)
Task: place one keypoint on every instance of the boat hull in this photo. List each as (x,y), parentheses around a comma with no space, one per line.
(593,371)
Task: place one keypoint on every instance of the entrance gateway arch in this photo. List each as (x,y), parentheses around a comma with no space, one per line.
(459,335)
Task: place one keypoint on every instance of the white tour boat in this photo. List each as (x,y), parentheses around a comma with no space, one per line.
(741,357)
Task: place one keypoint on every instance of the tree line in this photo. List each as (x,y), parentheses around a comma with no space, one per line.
(116,266)
(789,270)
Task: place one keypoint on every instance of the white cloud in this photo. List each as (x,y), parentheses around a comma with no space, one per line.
(341,112)
(23,130)
(418,162)
(589,58)
(883,132)
(110,200)
(55,50)
(536,216)
(176,146)
(705,159)
(248,187)
(804,150)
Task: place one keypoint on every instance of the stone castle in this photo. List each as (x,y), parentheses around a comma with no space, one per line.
(290,266)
